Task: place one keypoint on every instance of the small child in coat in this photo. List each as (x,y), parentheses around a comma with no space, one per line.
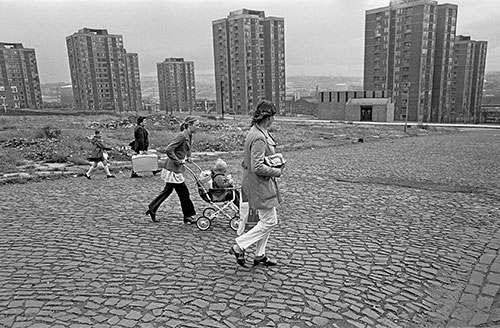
(221,180)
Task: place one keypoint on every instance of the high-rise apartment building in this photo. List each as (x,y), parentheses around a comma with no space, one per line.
(411,51)
(103,74)
(480,50)
(249,60)
(133,81)
(19,80)
(443,63)
(468,76)
(176,85)
(408,53)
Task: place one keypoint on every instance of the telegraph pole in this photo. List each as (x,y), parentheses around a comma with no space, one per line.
(222,98)
(407,103)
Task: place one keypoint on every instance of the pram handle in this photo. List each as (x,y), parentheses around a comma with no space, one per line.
(196,165)
(235,187)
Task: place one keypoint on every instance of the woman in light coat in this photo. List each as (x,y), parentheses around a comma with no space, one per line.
(259,185)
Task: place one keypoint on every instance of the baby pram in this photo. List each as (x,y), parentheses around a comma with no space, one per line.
(219,206)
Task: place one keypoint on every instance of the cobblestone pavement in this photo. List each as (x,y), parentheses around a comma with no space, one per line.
(396,233)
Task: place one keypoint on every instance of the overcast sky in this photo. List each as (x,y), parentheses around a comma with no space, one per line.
(322,37)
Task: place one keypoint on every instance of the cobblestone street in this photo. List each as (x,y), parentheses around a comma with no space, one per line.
(394,233)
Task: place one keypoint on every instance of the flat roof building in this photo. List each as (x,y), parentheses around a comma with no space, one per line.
(176,85)
(403,41)
(249,61)
(369,106)
(411,50)
(19,79)
(104,76)
(468,77)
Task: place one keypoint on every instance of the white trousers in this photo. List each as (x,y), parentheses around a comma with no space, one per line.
(260,233)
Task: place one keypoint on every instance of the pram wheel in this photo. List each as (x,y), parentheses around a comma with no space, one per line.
(209,213)
(203,223)
(234,223)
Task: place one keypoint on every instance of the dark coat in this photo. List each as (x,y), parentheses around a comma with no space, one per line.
(141,139)
(177,150)
(97,151)
(219,183)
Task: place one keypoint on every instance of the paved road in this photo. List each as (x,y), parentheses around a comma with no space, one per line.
(395,233)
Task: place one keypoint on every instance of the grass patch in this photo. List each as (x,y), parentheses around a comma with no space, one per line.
(11,160)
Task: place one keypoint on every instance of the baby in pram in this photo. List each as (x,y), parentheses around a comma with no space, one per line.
(222,184)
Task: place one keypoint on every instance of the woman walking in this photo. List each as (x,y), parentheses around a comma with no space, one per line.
(97,156)
(259,185)
(141,140)
(178,152)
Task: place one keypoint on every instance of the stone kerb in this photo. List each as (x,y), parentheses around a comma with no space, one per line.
(38,171)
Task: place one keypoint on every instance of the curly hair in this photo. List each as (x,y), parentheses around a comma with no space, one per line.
(265,108)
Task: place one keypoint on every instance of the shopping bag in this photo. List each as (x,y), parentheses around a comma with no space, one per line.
(253,216)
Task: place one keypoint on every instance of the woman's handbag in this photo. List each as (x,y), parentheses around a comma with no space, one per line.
(253,217)
(277,160)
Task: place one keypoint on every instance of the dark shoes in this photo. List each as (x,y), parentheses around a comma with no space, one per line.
(153,215)
(108,176)
(240,257)
(135,175)
(156,172)
(263,260)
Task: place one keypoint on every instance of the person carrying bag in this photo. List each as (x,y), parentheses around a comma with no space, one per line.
(259,187)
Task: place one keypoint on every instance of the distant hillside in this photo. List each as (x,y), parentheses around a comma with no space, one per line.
(307,85)
(303,85)
(491,87)
(296,84)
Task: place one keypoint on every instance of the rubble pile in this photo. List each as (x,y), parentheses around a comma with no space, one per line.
(40,150)
(168,121)
(111,125)
(224,142)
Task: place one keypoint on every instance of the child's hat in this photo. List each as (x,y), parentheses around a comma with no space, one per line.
(220,165)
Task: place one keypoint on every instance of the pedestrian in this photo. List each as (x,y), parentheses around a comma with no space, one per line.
(98,155)
(178,153)
(259,187)
(140,143)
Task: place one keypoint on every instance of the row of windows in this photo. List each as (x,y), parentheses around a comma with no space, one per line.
(13,88)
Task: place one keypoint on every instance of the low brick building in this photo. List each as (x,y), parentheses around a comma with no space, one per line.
(301,106)
(375,106)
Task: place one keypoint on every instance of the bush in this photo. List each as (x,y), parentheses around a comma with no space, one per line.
(48,132)
(56,158)
(11,159)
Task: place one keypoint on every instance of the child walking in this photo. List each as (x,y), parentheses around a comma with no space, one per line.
(97,156)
